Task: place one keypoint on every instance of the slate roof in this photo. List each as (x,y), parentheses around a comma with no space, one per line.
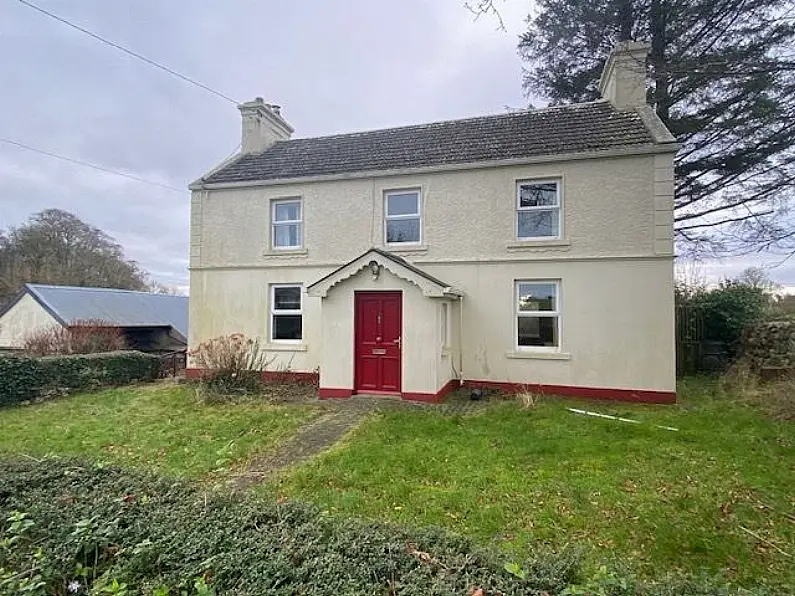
(577,128)
(121,308)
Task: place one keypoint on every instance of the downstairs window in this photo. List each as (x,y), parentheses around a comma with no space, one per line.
(286,313)
(537,314)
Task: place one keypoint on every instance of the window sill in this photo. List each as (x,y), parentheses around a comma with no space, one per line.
(540,243)
(415,248)
(287,252)
(537,355)
(285,347)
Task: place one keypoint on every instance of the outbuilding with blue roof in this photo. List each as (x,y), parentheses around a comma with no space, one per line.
(149,322)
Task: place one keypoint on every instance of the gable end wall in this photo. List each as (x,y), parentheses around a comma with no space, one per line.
(25,316)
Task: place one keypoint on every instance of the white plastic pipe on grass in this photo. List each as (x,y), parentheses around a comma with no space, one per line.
(598,415)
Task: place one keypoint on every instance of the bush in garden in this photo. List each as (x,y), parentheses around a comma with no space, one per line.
(727,310)
(88,336)
(106,531)
(42,341)
(231,364)
(24,378)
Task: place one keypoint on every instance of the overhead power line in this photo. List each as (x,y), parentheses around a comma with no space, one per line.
(90,165)
(128,51)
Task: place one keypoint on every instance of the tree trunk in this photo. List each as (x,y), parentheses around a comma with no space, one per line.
(661,98)
(625,20)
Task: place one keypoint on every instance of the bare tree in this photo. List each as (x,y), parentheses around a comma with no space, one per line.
(757,277)
(55,247)
(486,8)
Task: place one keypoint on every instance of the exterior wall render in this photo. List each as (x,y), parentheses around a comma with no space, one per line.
(25,316)
(608,209)
(616,321)
(614,263)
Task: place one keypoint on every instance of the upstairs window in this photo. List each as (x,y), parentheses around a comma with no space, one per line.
(287,224)
(538,209)
(286,313)
(537,314)
(403,221)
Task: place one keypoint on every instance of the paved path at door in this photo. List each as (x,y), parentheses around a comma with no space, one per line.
(322,433)
(311,439)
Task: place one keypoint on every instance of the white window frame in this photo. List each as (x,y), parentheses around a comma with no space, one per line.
(299,221)
(517,314)
(274,312)
(387,217)
(558,207)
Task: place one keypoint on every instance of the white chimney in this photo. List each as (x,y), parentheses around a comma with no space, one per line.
(263,125)
(623,80)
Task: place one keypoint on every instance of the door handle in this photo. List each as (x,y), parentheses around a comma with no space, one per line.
(397,342)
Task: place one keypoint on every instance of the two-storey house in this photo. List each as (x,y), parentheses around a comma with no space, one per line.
(527,248)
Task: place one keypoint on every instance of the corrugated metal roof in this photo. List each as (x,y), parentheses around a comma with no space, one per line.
(121,308)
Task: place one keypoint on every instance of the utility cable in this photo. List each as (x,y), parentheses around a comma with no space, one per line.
(128,51)
(90,165)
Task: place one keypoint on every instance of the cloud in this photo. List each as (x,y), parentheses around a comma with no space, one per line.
(334,67)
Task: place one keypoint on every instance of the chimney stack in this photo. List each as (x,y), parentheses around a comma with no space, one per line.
(623,80)
(263,125)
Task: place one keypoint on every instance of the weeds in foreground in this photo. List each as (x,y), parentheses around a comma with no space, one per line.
(233,365)
(528,399)
(774,396)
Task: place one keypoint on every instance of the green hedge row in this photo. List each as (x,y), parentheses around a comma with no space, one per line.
(23,378)
(72,527)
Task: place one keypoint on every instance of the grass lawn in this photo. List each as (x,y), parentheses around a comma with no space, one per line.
(717,495)
(157,427)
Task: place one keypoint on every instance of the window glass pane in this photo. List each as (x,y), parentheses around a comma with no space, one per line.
(537,194)
(287,235)
(538,331)
(534,297)
(286,326)
(287,298)
(288,211)
(538,224)
(403,204)
(403,230)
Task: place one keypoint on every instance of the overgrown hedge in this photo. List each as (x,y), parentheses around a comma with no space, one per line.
(107,531)
(23,378)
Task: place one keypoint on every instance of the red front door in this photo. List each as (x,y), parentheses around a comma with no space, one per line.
(379,321)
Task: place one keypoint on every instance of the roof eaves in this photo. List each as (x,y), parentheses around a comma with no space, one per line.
(33,290)
(17,297)
(622,151)
(657,129)
(196,184)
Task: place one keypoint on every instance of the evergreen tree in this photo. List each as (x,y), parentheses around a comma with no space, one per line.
(722,78)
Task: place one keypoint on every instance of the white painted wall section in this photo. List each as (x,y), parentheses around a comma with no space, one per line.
(25,317)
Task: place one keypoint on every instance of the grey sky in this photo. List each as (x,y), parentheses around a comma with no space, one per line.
(333,67)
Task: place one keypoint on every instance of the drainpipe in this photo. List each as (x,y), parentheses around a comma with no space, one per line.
(461,339)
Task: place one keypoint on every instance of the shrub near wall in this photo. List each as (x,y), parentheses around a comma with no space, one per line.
(23,378)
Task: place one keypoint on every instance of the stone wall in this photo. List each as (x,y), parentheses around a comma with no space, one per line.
(770,347)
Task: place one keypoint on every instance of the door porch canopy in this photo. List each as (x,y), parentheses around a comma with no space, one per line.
(375,259)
